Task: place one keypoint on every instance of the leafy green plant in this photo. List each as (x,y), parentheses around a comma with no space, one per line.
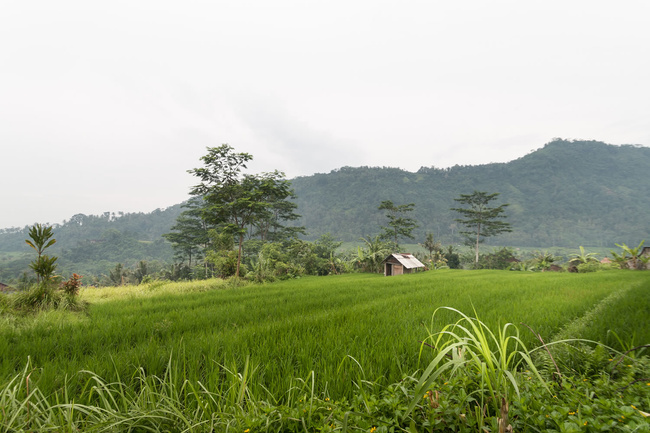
(489,360)
(630,257)
(39,297)
(588,267)
(41,239)
(72,285)
(544,260)
(371,255)
(583,257)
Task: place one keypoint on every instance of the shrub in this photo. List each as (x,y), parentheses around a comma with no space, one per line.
(589,267)
(39,297)
(71,287)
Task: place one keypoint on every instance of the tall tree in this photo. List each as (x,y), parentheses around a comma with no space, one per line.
(400,225)
(189,236)
(234,202)
(481,220)
(276,192)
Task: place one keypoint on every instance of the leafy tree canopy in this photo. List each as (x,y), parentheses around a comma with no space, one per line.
(481,220)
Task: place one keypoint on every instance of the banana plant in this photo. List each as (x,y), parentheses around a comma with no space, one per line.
(630,256)
(583,257)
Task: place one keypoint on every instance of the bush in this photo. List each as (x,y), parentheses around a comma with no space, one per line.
(45,297)
(39,297)
(71,287)
(499,259)
(589,267)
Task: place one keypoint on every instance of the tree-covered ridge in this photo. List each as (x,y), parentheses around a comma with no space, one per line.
(568,193)
(565,194)
(93,244)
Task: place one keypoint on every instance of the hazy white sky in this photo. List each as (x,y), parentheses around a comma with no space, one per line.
(104,105)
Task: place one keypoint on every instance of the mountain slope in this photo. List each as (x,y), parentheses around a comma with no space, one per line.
(567,193)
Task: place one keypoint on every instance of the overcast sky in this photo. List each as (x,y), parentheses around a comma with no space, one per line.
(105,105)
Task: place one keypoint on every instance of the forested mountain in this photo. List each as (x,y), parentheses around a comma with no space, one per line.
(568,193)
(92,244)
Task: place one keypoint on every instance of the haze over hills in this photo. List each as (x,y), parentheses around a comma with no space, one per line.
(565,194)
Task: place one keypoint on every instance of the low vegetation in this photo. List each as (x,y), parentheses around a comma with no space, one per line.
(342,353)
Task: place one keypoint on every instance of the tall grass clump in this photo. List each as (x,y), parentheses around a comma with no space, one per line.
(489,360)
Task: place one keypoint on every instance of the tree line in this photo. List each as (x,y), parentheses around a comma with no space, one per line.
(247,225)
(239,224)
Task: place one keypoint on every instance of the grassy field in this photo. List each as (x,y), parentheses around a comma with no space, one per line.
(343,328)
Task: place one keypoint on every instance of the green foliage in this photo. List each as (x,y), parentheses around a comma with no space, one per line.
(93,244)
(190,235)
(72,286)
(589,267)
(481,220)
(630,257)
(39,297)
(233,202)
(223,262)
(369,257)
(5,303)
(610,400)
(502,258)
(44,266)
(583,257)
(400,225)
(452,258)
(117,275)
(434,248)
(564,194)
(491,359)
(543,260)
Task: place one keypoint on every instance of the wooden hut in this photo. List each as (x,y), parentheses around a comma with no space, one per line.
(398,264)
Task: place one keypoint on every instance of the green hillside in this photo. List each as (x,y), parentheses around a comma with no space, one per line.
(567,193)
(92,244)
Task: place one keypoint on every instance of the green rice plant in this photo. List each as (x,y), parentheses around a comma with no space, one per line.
(289,329)
(491,360)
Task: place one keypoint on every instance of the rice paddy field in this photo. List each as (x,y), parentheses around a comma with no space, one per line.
(331,333)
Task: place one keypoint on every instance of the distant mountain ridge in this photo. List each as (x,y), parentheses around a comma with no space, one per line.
(568,193)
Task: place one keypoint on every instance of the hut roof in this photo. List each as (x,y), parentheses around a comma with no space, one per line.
(407,260)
